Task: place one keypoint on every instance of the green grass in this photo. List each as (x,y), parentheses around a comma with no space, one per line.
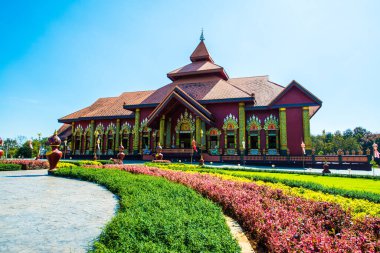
(156,215)
(361,188)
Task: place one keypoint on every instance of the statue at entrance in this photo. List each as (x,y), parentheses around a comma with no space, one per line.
(376,153)
(159,155)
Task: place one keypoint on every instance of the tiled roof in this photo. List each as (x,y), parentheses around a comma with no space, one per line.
(196,69)
(263,89)
(196,66)
(201,53)
(109,107)
(212,89)
(201,64)
(63,128)
(64,131)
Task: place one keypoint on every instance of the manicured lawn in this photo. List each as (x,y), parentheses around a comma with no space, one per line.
(156,215)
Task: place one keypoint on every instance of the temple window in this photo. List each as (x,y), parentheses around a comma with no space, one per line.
(110,142)
(110,134)
(213,137)
(100,138)
(253,129)
(77,144)
(145,137)
(185,130)
(78,133)
(271,132)
(230,128)
(87,141)
(125,134)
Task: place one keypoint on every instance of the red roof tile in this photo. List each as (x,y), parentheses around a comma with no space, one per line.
(109,107)
(263,89)
(201,53)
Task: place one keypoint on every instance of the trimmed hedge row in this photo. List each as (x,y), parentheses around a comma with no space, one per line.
(28,164)
(156,215)
(9,167)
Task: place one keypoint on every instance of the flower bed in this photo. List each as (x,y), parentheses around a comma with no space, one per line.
(279,222)
(28,164)
(357,188)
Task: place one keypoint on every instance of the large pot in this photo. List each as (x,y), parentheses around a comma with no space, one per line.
(55,154)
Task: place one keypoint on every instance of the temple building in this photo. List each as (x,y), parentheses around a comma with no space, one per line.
(227,117)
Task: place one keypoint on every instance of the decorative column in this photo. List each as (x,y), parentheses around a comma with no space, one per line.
(283,134)
(72,138)
(203,135)
(168,133)
(117,137)
(198,128)
(241,125)
(162,130)
(136,132)
(306,129)
(92,130)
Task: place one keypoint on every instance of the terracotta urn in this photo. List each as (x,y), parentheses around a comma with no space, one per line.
(325,168)
(121,154)
(1,151)
(54,155)
(201,161)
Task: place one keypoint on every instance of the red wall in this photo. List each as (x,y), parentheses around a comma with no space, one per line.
(220,111)
(294,129)
(294,96)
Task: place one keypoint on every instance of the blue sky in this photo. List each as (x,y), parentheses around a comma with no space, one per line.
(59,56)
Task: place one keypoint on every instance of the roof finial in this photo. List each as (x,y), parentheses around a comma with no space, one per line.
(202,38)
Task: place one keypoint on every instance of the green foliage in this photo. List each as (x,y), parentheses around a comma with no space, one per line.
(86,162)
(65,165)
(105,161)
(12,147)
(9,167)
(156,215)
(374,164)
(357,139)
(24,151)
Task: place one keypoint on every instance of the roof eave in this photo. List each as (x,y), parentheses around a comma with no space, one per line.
(68,121)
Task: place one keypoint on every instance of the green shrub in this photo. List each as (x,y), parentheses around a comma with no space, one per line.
(86,162)
(156,215)
(105,161)
(374,164)
(65,165)
(9,167)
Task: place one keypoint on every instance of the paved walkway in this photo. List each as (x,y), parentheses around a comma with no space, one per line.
(40,213)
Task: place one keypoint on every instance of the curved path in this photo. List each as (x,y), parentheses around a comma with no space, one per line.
(40,213)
